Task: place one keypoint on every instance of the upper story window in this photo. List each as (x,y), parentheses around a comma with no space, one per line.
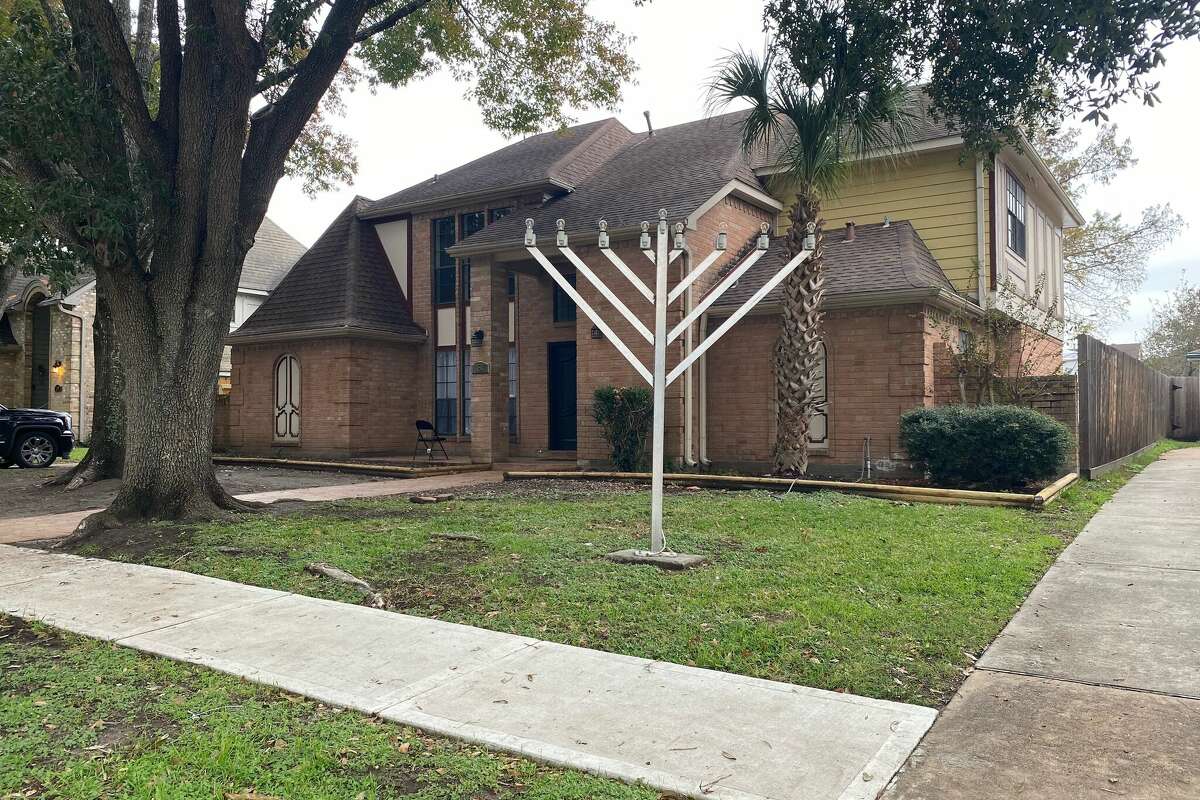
(470,224)
(443,264)
(564,306)
(1016,215)
(498,213)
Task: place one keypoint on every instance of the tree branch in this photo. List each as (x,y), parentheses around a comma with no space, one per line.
(170,72)
(97,18)
(390,21)
(143,55)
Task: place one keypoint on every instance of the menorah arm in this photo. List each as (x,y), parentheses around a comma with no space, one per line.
(715,295)
(692,276)
(609,295)
(629,274)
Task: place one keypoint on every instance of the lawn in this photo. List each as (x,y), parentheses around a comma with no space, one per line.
(884,599)
(85,719)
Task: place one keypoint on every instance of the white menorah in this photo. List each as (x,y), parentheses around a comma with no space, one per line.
(660,298)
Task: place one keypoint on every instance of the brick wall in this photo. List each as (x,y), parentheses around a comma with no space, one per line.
(879,363)
(355,397)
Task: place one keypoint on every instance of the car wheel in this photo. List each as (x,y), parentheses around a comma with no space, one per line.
(35,450)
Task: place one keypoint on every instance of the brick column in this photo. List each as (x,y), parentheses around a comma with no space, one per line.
(489,362)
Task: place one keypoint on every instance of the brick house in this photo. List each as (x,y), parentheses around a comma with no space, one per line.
(425,304)
(46,345)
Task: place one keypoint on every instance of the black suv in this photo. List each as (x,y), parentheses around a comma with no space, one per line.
(34,437)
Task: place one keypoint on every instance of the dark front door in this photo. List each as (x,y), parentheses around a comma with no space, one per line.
(39,377)
(562,396)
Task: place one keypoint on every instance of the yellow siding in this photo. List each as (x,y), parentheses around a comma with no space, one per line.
(932,191)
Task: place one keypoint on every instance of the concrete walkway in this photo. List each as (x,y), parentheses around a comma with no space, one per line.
(56,526)
(1092,690)
(679,729)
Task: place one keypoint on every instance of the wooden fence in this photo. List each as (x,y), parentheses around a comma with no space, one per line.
(1125,407)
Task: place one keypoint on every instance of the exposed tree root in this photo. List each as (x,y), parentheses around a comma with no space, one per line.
(212,504)
(85,472)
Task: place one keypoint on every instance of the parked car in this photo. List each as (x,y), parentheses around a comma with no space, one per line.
(34,437)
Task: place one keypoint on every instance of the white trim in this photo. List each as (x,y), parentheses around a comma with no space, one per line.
(981,248)
(256,292)
(929,145)
(741,189)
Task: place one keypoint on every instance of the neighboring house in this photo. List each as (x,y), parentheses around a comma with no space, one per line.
(426,305)
(1131,349)
(46,346)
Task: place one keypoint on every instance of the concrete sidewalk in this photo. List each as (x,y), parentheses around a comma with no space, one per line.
(1091,691)
(694,732)
(56,526)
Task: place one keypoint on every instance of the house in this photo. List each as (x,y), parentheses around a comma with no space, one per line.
(425,304)
(46,346)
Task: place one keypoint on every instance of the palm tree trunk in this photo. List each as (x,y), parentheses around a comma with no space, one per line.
(798,349)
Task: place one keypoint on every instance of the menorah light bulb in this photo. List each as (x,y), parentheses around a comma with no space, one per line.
(810,241)
(764,241)
(603,235)
(662,222)
(561,238)
(678,236)
(530,239)
(644,240)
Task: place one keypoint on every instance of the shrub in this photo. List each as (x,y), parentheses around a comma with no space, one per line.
(624,415)
(995,446)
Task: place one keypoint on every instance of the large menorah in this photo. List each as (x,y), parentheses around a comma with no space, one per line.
(661,298)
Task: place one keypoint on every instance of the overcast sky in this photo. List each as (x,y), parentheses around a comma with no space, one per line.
(406,135)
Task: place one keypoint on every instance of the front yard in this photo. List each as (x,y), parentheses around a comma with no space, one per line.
(851,594)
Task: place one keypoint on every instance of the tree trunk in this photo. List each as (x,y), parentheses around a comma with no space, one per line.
(106,445)
(797,350)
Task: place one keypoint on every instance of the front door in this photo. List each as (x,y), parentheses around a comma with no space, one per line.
(562,396)
(39,376)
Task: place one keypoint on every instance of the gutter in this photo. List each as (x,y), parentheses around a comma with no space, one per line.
(462,198)
(342,332)
(933,295)
(82,364)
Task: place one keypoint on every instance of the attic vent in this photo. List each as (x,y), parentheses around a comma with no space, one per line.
(649,127)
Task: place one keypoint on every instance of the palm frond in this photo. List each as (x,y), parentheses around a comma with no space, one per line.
(745,76)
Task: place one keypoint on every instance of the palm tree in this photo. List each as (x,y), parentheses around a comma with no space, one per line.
(813,125)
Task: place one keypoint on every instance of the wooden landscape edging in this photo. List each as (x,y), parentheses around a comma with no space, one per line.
(351,466)
(915,494)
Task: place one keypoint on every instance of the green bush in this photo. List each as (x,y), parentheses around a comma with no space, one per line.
(624,415)
(995,446)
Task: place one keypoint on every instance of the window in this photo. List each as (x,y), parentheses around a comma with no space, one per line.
(443,264)
(818,424)
(287,400)
(470,224)
(966,340)
(512,391)
(564,306)
(498,214)
(446,392)
(466,390)
(512,285)
(1016,215)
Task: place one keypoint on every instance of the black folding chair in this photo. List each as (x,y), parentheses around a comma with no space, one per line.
(427,437)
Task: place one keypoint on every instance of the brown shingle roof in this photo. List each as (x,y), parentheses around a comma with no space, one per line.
(879,259)
(273,254)
(343,283)
(559,158)
(678,168)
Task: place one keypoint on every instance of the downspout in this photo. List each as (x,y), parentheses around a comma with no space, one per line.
(80,371)
(689,379)
(981,196)
(703,379)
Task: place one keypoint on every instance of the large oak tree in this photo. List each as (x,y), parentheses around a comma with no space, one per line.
(154,163)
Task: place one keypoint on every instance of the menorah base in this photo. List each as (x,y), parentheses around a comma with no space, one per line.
(663,560)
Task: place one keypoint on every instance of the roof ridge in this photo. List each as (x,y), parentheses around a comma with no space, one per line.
(605,124)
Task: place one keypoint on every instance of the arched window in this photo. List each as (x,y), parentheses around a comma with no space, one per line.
(287,399)
(818,424)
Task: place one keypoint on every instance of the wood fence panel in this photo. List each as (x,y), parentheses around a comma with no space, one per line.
(1124,406)
(1187,409)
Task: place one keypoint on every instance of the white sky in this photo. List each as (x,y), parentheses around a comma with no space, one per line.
(406,135)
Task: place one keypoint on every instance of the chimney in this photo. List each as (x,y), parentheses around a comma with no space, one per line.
(649,127)
(850,231)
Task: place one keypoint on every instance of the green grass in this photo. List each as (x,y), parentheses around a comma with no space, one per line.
(84,719)
(845,593)
(77,454)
